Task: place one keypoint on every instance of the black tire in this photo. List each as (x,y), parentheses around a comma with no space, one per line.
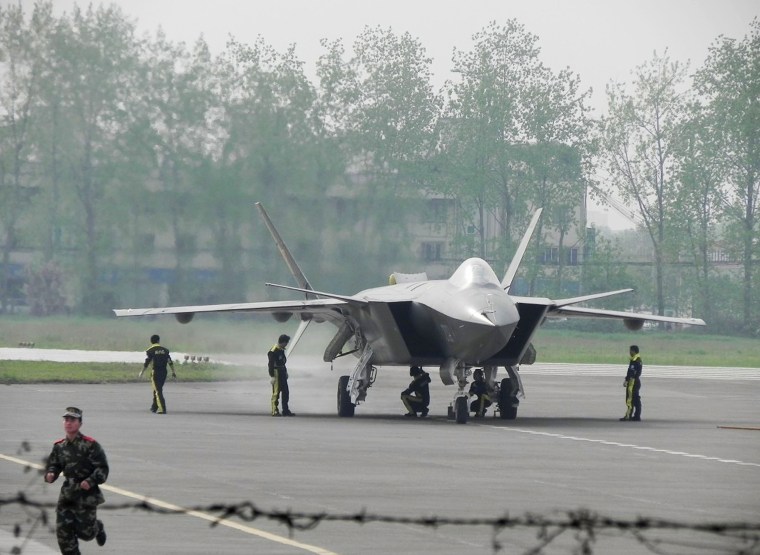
(345,406)
(507,402)
(462,410)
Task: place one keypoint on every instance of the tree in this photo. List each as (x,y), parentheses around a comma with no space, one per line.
(729,81)
(486,115)
(173,139)
(92,58)
(44,290)
(699,198)
(604,271)
(640,134)
(553,174)
(396,111)
(515,136)
(270,147)
(22,46)
(382,108)
(391,133)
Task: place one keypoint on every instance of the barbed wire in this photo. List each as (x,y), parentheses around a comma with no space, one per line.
(730,538)
(738,538)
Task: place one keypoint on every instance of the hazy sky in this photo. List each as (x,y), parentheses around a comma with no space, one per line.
(601,40)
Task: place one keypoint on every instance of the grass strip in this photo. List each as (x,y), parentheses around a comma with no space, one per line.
(26,372)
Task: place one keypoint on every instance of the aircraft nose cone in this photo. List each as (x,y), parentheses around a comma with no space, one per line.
(497,323)
(471,325)
(501,310)
(484,333)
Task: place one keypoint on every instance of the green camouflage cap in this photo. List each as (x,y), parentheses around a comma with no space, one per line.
(73,412)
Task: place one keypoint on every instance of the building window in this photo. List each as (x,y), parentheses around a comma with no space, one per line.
(550,256)
(186,243)
(437,211)
(147,241)
(432,251)
(572,257)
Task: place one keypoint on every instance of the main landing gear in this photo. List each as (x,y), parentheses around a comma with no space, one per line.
(459,409)
(352,389)
(509,392)
(506,394)
(345,406)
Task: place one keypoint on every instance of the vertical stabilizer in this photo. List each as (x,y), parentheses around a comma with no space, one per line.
(294,268)
(299,276)
(506,283)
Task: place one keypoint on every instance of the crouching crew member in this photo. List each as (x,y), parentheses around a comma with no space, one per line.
(482,391)
(416,397)
(83,463)
(279,374)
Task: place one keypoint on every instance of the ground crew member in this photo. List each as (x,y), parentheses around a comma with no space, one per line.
(632,385)
(480,389)
(160,357)
(278,371)
(83,463)
(416,397)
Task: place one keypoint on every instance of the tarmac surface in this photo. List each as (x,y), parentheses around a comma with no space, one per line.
(694,459)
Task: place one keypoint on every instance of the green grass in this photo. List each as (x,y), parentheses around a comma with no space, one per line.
(246,335)
(14,372)
(657,347)
(206,333)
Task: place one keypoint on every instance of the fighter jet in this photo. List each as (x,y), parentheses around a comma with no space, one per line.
(458,324)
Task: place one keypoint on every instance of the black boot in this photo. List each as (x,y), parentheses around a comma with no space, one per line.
(100,537)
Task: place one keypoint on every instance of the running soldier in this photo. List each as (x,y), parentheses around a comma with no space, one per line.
(83,463)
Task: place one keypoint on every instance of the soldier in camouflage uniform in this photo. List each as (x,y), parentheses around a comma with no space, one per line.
(83,463)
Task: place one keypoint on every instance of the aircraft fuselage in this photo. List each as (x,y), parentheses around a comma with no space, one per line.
(468,317)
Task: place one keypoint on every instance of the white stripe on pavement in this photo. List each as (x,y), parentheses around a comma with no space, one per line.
(197,514)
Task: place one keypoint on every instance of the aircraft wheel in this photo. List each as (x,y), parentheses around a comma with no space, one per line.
(345,406)
(507,402)
(462,410)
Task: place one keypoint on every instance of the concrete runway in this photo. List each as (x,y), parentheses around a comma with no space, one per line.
(695,459)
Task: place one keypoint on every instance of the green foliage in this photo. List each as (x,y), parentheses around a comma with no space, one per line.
(21,63)
(602,271)
(14,372)
(44,290)
(133,162)
(640,137)
(730,83)
(515,136)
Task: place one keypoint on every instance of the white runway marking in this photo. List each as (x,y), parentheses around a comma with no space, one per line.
(629,446)
(197,514)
